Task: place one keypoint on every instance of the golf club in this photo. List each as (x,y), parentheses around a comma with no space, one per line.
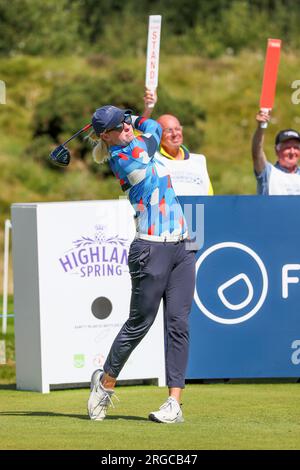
(61,155)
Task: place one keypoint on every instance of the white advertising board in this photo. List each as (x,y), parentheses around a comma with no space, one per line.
(72,293)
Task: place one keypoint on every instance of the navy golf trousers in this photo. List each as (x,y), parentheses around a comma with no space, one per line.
(159,270)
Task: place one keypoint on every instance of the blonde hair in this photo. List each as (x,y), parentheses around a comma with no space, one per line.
(100,149)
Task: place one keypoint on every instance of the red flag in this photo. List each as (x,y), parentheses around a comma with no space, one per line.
(270,74)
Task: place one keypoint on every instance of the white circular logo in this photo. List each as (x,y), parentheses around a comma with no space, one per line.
(239,277)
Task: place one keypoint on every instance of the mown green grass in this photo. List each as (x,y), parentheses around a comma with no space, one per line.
(217,416)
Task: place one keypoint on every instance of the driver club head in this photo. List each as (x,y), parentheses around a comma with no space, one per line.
(60,156)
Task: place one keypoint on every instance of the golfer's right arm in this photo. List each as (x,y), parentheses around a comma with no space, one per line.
(258,154)
(150,99)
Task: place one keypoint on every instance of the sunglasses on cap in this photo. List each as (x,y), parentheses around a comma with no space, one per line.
(127,120)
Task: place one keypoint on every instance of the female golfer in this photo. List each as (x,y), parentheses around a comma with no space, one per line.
(160,265)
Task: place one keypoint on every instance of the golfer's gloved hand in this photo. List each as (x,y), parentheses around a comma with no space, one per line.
(60,156)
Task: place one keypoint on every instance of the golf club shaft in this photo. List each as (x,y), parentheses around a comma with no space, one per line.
(85,128)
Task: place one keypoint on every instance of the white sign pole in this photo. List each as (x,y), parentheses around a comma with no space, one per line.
(153,46)
(5,274)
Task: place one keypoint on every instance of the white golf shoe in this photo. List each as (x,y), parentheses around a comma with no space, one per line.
(100,398)
(169,412)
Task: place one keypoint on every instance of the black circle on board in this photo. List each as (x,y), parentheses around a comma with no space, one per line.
(101,308)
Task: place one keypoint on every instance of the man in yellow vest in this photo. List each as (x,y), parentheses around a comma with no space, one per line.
(188,170)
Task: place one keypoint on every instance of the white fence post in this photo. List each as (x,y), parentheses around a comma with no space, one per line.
(5,274)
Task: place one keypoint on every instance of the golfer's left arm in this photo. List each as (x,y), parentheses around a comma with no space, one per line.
(151,133)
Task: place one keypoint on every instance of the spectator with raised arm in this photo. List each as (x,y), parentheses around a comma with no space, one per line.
(282,178)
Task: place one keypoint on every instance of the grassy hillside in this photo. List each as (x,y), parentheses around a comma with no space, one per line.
(227,89)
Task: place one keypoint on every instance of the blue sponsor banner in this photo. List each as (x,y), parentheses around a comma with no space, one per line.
(245,319)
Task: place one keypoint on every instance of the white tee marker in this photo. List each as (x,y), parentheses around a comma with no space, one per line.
(2,92)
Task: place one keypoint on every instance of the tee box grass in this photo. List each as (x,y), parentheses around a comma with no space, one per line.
(235,415)
(217,416)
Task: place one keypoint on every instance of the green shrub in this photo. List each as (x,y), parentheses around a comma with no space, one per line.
(71,105)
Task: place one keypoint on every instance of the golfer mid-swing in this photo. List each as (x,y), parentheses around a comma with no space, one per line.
(160,265)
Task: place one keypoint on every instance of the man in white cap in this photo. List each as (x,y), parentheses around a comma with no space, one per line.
(283,178)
